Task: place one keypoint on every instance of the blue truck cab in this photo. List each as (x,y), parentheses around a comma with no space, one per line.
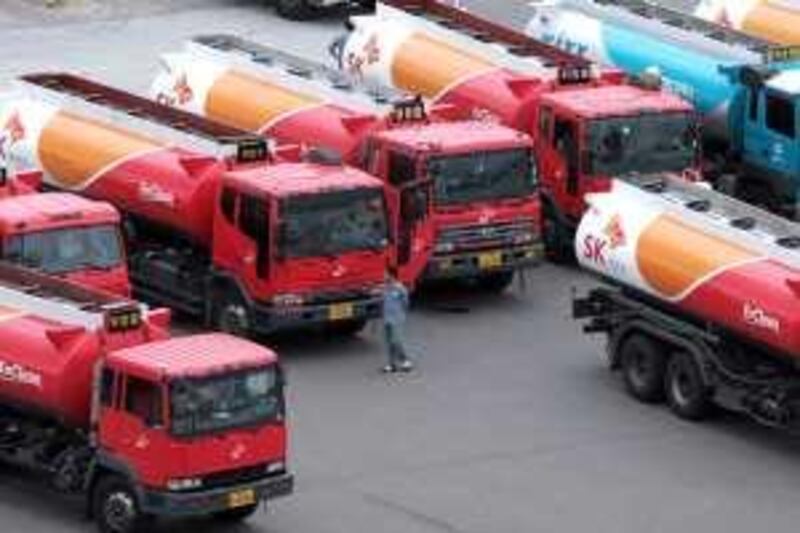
(764,122)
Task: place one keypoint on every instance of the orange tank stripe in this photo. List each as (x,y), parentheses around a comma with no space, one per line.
(246,102)
(428,66)
(74,149)
(672,255)
(774,23)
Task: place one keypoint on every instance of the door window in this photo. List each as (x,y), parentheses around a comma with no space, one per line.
(254,222)
(402,168)
(143,400)
(781,115)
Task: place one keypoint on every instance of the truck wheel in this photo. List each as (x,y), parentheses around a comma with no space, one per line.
(238,514)
(643,365)
(557,237)
(232,316)
(294,9)
(687,393)
(115,508)
(496,282)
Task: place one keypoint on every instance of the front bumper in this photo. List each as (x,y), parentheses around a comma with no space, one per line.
(204,502)
(270,319)
(478,263)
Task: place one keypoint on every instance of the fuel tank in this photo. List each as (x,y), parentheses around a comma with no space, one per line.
(102,159)
(774,20)
(394,50)
(213,88)
(703,254)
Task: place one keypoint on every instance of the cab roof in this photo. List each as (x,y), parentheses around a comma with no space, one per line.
(196,356)
(616,100)
(290,179)
(456,136)
(786,81)
(41,211)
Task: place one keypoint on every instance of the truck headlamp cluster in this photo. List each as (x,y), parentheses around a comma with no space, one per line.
(287,300)
(184,484)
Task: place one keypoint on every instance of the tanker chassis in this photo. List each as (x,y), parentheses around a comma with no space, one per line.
(96,400)
(717,327)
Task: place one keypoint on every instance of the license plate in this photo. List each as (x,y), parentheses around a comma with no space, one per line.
(241,498)
(341,311)
(490,260)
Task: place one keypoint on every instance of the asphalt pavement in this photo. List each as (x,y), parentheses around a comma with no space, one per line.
(513,424)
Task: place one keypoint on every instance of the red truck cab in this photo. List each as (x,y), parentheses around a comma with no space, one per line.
(63,234)
(198,422)
(479,181)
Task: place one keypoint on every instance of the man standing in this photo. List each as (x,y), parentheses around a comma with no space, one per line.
(395,308)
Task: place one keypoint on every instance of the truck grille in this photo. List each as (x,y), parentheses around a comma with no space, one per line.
(355,295)
(230,478)
(480,236)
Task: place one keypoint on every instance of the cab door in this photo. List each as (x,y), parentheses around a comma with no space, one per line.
(558,156)
(771,142)
(409,199)
(243,238)
(133,424)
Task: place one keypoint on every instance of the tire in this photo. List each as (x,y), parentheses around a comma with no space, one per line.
(643,364)
(294,9)
(347,328)
(233,316)
(557,237)
(688,395)
(236,515)
(115,508)
(496,282)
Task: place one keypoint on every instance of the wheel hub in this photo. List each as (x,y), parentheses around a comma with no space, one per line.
(120,512)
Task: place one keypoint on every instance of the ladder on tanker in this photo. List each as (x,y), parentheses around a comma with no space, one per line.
(297,72)
(570,67)
(719,212)
(48,297)
(165,122)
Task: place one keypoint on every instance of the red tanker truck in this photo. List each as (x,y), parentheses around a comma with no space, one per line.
(587,126)
(61,234)
(702,306)
(474,182)
(98,401)
(216,226)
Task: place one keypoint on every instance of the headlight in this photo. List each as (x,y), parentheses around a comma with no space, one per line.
(522,238)
(287,300)
(181,484)
(274,468)
(444,247)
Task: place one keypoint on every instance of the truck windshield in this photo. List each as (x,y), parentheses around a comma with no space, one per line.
(480,176)
(333,223)
(223,402)
(645,143)
(64,250)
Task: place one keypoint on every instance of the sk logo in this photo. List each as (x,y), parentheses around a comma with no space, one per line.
(614,232)
(183,92)
(13,131)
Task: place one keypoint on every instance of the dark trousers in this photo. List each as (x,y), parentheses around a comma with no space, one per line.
(395,347)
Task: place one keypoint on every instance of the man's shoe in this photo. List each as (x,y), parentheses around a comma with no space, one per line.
(406,366)
(388,369)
